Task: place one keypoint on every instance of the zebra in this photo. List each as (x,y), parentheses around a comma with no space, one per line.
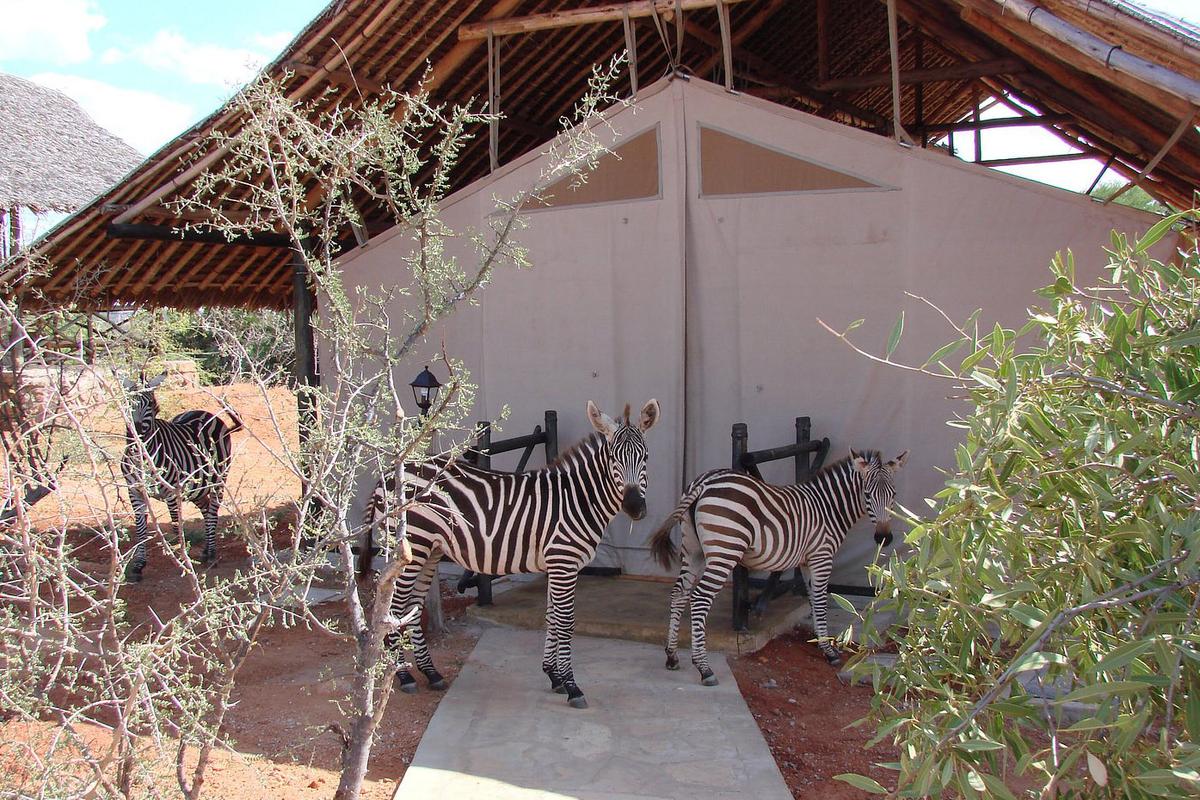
(497,523)
(729,518)
(186,458)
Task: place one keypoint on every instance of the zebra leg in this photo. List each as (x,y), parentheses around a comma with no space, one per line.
(211,509)
(549,652)
(175,510)
(137,499)
(818,598)
(679,598)
(562,598)
(420,650)
(404,599)
(710,581)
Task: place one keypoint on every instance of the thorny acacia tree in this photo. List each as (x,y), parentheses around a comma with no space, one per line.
(1047,632)
(98,698)
(295,170)
(128,695)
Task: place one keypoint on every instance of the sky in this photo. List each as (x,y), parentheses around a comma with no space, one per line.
(149,69)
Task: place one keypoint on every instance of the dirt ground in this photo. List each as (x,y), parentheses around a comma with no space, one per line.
(289,689)
(804,712)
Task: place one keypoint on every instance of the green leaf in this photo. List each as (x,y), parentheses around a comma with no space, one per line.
(945,351)
(1123,655)
(1100,691)
(978,746)
(897,332)
(1157,231)
(1192,714)
(1037,660)
(843,603)
(861,782)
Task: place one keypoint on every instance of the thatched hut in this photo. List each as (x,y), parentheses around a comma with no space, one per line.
(53,156)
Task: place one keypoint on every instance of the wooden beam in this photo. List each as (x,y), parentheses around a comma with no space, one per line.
(1186,124)
(1020,160)
(164,233)
(1102,58)
(573,17)
(955,72)
(1002,122)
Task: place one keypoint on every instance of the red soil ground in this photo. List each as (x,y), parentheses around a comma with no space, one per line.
(290,687)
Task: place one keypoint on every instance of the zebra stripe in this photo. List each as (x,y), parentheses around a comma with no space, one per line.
(185,458)
(729,518)
(499,523)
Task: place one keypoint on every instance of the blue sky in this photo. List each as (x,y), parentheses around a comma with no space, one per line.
(148,69)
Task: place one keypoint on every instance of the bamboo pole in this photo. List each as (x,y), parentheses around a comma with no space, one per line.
(1102,58)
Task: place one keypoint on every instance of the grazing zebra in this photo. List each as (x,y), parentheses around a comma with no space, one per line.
(729,518)
(186,458)
(497,523)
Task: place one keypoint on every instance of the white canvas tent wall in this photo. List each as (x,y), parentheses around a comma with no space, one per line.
(703,288)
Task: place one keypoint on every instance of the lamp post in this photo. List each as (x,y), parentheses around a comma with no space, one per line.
(425,390)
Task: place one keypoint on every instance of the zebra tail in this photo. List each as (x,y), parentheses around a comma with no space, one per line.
(661,546)
(237,421)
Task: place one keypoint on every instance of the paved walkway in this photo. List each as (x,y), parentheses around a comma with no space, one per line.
(648,734)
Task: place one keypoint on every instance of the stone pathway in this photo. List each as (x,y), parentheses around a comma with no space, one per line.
(648,734)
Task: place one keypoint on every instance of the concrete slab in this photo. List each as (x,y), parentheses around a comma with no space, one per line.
(636,609)
(500,732)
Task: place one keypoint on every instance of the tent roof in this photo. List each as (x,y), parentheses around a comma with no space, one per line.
(53,156)
(956,52)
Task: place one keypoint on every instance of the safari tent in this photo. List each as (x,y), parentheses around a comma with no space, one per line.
(693,267)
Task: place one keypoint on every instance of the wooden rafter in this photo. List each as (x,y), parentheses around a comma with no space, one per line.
(574,17)
(957,72)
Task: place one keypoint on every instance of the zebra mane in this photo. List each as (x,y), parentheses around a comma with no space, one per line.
(870,455)
(586,441)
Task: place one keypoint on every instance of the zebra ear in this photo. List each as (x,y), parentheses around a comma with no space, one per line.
(154,384)
(649,415)
(600,421)
(896,463)
(859,462)
(128,385)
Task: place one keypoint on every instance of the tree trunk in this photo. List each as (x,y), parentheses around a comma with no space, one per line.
(354,757)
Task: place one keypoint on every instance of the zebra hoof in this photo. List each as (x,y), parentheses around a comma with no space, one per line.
(436,681)
(709,680)
(834,659)
(577,702)
(672,662)
(133,575)
(407,683)
(558,688)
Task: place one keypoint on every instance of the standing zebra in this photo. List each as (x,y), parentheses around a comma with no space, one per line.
(729,518)
(186,458)
(497,523)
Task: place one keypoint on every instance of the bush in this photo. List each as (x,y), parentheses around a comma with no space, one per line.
(1048,635)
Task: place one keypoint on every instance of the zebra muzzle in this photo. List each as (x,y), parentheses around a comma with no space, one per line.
(634,504)
(883,537)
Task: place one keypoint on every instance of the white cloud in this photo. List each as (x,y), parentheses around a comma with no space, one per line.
(196,62)
(49,30)
(144,119)
(272,43)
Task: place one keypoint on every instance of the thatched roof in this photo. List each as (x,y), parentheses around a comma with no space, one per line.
(1121,85)
(53,156)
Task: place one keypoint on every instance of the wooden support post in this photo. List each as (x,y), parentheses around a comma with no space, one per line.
(493,53)
(551,420)
(978,131)
(822,40)
(726,46)
(741,575)
(919,91)
(894,47)
(631,50)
